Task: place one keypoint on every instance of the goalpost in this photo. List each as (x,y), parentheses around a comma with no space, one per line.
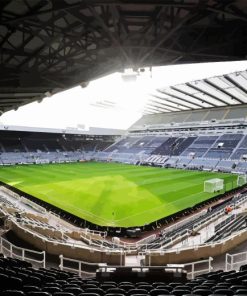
(213,185)
(242,180)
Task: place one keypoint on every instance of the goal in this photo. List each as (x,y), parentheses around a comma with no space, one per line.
(213,185)
(242,179)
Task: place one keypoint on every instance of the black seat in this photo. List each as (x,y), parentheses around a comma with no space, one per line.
(49,279)
(155,284)
(53,285)
(138,284)
(116,291)
(105,287)
(156,292)
(221,286)
(227,292)
(38,293)
(4,280)
(241,292)
(98,291)
(182,287)
(166,287)
(243,267)
(174,285)
(110,283)
(9,272)
(63,294)
(146,287)
(94,282)
(12,293)
(86,286)
(191,295)
(51,289)
(137,291)
(180,292)
(61,282)
(202,292)
(216,295)
(73,290)
(139,294)
(30,288)
(71,286)
(114,294)
(237,287)
(126,287)
(16,282)
(33,280)
(88,294)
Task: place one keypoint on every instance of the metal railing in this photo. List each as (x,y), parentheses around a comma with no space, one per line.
(194,246)
(234,261)
(197,226)
(10,250)
(196,270)
(44,238)
(79,267)
(95,232)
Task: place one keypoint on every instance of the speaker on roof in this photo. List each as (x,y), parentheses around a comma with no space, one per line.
(84,84)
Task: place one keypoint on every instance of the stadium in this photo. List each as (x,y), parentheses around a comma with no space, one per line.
(156,209)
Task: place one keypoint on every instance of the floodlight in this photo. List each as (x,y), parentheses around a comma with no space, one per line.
(48,94)
(129,77)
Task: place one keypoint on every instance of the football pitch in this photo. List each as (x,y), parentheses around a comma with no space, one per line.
(112,194)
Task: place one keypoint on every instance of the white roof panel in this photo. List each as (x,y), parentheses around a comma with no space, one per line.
(219,91)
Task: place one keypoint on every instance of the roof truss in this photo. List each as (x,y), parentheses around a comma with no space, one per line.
(50,45)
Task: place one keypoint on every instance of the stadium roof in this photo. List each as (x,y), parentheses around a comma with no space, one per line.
(50,45)
(218,91)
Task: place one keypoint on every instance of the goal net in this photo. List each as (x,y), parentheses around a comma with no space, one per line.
(242,179)
(213,185)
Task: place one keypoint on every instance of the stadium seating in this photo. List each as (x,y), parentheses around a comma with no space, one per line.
(224,152)
(228,228)
(41,147)
(226,165)
(168,237)
(188,118)
(167,147)
(20,278)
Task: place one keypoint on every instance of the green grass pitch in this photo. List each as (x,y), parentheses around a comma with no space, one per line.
(113,194)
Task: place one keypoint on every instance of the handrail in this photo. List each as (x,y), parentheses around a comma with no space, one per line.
(195,272)
(233,259)
(195,246)
(80,263)
(240,200)
(89,231)
(10,249)
(177,267)
(73,245)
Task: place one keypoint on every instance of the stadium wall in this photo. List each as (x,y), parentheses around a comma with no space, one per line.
(71,251)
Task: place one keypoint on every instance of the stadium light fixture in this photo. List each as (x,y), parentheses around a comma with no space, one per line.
(48,94)
(84,84)
(129,75)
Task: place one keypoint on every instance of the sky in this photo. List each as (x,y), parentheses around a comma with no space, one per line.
(110,102)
